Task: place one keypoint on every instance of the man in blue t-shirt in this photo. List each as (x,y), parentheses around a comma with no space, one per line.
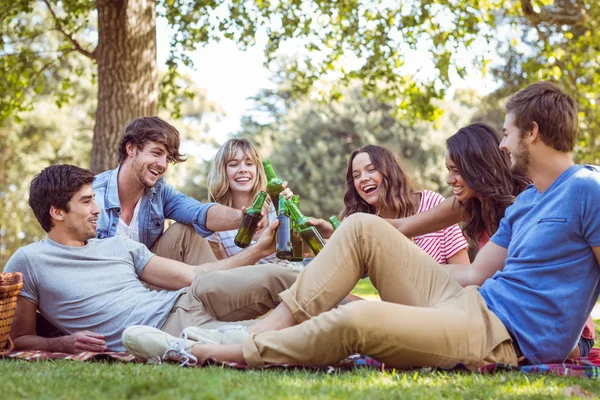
(526,295)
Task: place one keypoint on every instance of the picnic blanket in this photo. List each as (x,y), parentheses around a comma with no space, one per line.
(39,355)
(583,367)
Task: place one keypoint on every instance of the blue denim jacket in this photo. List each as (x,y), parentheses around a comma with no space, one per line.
(158,203)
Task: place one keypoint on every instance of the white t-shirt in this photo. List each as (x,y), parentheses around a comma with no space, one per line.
(131,231)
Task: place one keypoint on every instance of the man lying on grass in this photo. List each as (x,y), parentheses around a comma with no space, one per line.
(533,274)
(91,289)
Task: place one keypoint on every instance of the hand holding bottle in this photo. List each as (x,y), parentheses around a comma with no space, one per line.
(264,219)
(286,192)
(266,243)
(309,234)
(325,228)
(252,216)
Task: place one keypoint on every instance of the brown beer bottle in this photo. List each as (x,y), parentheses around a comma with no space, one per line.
(274,184)
(250,221)
(297,244)
(308,233)
(283,248)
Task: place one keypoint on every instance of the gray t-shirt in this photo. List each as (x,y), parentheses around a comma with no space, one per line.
(95,287)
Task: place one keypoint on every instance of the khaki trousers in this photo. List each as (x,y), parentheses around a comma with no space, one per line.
(425,317)
(181,242)
(240,294)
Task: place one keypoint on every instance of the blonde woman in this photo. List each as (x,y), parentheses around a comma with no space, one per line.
(235,178)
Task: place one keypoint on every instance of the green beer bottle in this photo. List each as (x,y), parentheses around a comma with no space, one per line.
(274,184)
(250,221)
(297,244)
(335,222)
(308,233)
(283,249)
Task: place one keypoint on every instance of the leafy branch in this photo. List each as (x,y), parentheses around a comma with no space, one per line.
(74,42)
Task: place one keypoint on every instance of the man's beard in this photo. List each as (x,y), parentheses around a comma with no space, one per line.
(522,160)
(140,172)
(82,235)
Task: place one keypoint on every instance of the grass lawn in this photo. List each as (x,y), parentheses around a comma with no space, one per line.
(81,380)
(364,288)
(74,380)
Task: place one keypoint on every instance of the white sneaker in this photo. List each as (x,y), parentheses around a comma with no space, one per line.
(226,334)
(154,345)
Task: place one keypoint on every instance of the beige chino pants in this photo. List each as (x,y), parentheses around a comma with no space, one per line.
(239,294)
(425,318)
(181,242)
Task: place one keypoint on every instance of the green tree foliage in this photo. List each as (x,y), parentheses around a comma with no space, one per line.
(194,130)
(372,42)
(555,40)
(376,36)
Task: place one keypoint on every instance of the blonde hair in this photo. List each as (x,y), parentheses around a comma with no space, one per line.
(217,181)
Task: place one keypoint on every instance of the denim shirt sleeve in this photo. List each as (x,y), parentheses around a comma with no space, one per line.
(185,210)
(107,198)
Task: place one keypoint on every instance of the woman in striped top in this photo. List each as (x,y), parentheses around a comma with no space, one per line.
(376,184)
(484,187)
(482,183)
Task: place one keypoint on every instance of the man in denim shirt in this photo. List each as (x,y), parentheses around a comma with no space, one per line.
(135,199)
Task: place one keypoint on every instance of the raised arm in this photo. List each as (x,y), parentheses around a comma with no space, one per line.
(24,336)
(437,218)
(491,258)
(222,218)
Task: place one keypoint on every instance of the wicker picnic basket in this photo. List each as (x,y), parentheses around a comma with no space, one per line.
(10,285)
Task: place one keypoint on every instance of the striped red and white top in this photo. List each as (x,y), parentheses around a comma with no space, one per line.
(440,245)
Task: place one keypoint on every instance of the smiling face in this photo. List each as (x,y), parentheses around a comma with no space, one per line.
(461,190)
(150,163)
(515,145)
(367,178)
(241,173)
(81,219)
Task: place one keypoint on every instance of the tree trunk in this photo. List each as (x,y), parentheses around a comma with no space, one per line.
(127,73)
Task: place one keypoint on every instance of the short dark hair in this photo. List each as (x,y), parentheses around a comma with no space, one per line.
(142,130)
(55,186)
(554,111)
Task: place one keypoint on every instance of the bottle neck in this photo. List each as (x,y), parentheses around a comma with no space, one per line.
(281,206)
(258,203)
(270,174)
(296,214)
(334,221)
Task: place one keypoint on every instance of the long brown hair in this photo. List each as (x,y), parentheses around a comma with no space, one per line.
(475,151)
(395,190)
